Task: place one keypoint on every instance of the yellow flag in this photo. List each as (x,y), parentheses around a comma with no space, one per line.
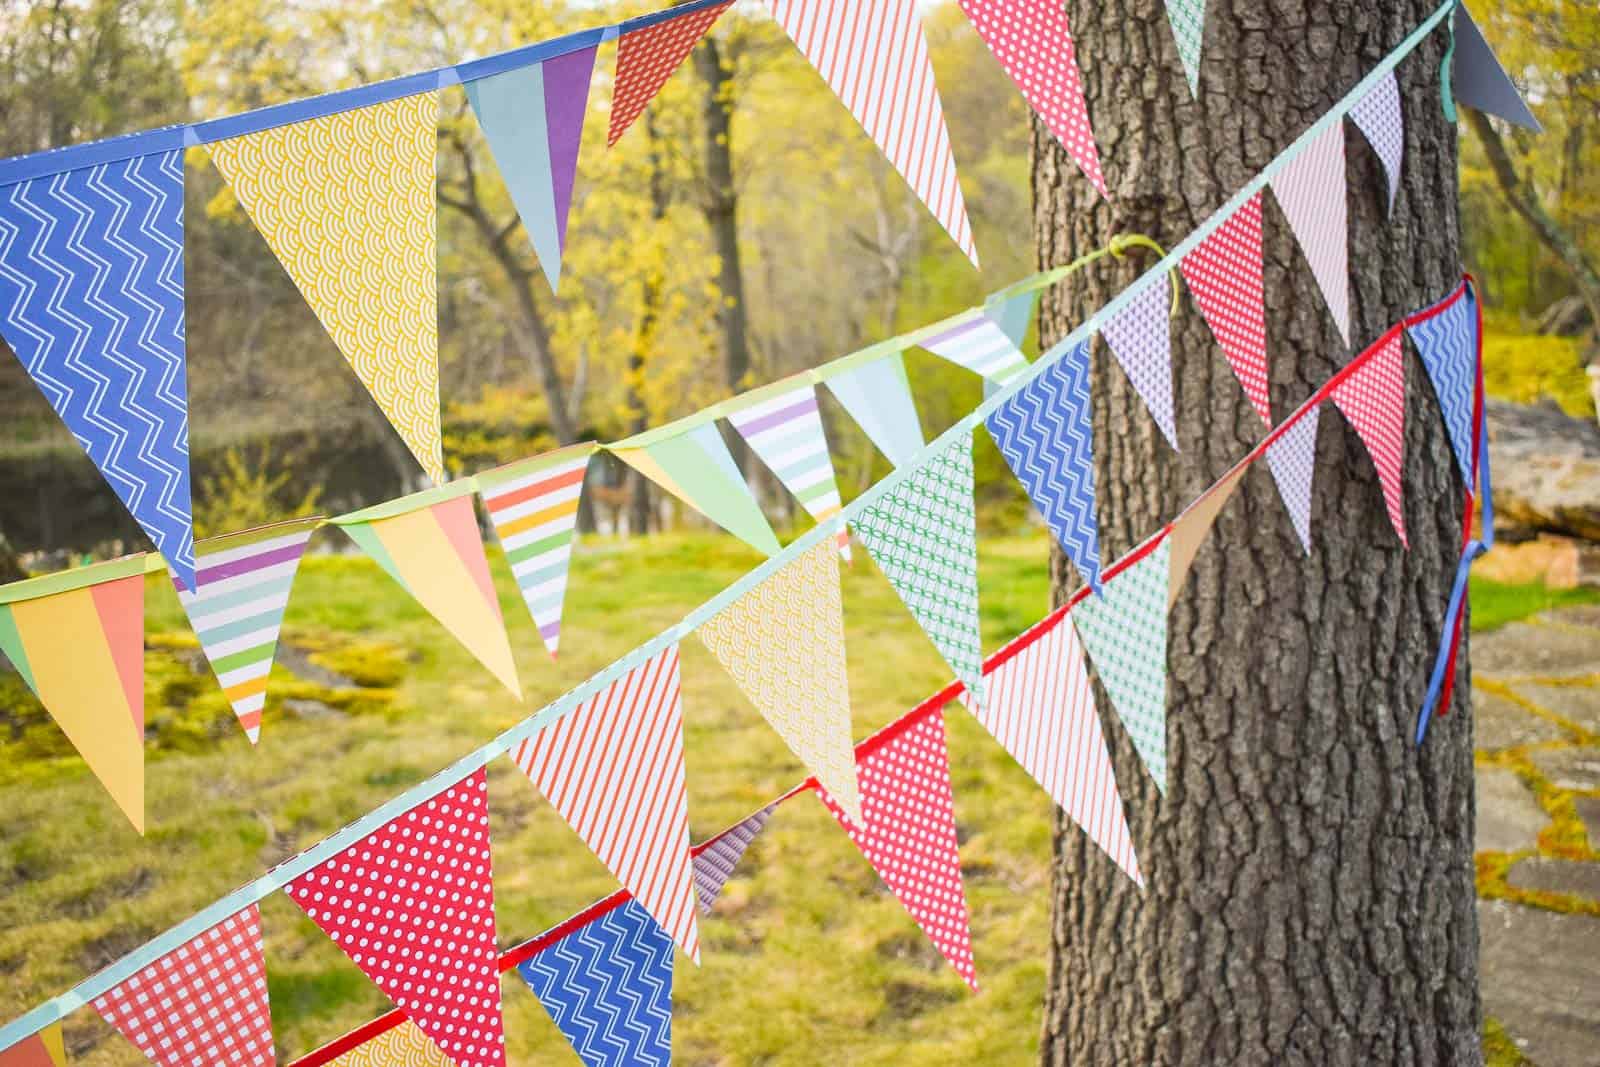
(403,1046)
(43,1049)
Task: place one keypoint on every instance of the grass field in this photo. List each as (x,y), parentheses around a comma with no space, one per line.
(807,958)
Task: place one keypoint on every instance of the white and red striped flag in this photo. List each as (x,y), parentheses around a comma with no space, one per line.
(1373,399)
(874,56)
(613,768)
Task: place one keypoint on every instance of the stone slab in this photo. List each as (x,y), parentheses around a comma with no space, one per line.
(1576,703)
(1589,812)
(1498,723)
(1509,818)
(1557,876)
(1540,976)
(1569,768)
(1524,648)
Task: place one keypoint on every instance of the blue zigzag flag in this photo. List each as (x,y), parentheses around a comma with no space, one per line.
(608,986)
(1047,436)
(91,300)
(1448,345)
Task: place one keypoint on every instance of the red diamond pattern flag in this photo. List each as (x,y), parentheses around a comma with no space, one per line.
(1040,708)
(1224,273)
(613,768)
(412,903)
(1373,399)
(909,833)
(646,59)
(202,1005)
(1033,42)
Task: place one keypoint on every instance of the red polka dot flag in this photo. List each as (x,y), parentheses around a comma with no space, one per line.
(412,904)
(646,59)
(1373,399)
(1224,273)
(909,834)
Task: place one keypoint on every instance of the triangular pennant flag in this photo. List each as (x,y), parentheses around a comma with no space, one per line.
(1046,434)
(1041,710)
(694,466)
(1140,336)
(1293,460)
(399,1046)
(433,550)
(1033,42)
(77,639)
(714,864)
(874,57)
(1478,79)
(647,57)
(43,1049)
(908,833)
(533,119)
(1310,190)
(1373,400)
(1224,273)
(979,344)
(923,535)
(412,904)
(1190,528)
(1188,21)
(346,203)
(784,428)
(783,642)
(1377,115)
(608,986)
(1014,314)
(878,396)
(92,302)
(203,1003)
(245,580)
(1446,337)
(613,768)
(534,508)
(1125,634)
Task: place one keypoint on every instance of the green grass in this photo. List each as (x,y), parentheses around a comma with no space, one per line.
(1496,603)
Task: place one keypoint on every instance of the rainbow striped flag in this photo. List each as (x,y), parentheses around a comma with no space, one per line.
(784,428)
(534,508)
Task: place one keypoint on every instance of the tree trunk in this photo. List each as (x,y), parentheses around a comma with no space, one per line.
(1309,895)
(649,316)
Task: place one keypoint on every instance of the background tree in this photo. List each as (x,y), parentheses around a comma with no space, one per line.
(1310,873)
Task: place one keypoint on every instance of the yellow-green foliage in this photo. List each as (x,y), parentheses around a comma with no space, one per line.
(1529,367)
(1498,1048)
(249,490)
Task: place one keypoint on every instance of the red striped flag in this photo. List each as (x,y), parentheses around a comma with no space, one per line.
(874,56)
(613,768)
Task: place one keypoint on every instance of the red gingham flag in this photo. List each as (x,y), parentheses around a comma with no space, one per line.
(1373,399)
(646,59)
(1033,42)
(202,1005)
(613,768)
(909,834)
(1040,707)
(1224,273)
(412,903)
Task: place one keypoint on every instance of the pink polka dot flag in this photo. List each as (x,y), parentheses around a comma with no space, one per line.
(202,1005)
(646,59)
(412,903)
(1033,42)
(908,833)
(1224,273)
(1373,399)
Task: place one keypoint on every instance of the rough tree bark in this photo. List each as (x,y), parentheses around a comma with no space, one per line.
(1309,894)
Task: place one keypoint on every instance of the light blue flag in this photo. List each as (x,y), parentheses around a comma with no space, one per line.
(533,118)
(878,396)
(1014,314)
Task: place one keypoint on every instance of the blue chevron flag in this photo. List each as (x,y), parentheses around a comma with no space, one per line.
(1447,341)
(91,301)
(608,986)
(1047,436)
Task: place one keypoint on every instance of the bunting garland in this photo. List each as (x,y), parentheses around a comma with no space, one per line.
(1224,272)
(43,1049)
(1014,314)
(695,466)
(1140,336)
(403,1046)
(1292,459)
(1446,339)
(1311,191)
(1188,21)
(1189,529)
(647,57)
(784,428)
(1373,401)
(1377,115)
(878,396)
(714,864)
(980,345)
(1480,81)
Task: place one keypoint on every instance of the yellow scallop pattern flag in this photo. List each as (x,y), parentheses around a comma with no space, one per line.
(403,1046)
(347,204)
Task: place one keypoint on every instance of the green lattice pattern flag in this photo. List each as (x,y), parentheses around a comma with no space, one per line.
(923,536)
(1188,18)
(1125,633)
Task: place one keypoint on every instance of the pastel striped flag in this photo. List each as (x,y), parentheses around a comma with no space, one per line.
(695,466)
(785,430)
(77,639)
(245,580)
(874,56)
(43,1049)
(1225,274)
(1373,401)
(429,543)
(1041,710)
(1292,459)
(980,345)
(877,395)
(533,506)
(1311,191)
(613,768)
(714,864)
